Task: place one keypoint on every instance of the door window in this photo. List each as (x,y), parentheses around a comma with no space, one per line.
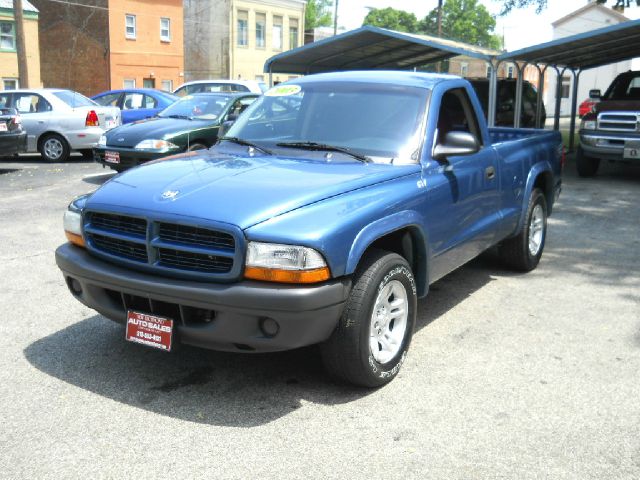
(31,103)
(109,100)
(132,101)
(456,115)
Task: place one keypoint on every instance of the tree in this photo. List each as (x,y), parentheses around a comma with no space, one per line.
(508,5)
(318,14)
(465,21)
(392,19)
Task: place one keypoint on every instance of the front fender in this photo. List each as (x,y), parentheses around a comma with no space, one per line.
(406,219)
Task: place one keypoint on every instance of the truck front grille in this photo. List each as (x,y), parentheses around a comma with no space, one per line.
(618,121)
(192,251)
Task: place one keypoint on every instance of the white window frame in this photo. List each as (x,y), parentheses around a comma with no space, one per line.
(167,85)
(261,41)
(167,37)
(131,36)
(132,83)
(8,79)
(242,26)
(464,69)
(510,71)
(11,35)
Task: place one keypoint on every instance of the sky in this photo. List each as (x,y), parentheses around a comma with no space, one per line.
(521,28)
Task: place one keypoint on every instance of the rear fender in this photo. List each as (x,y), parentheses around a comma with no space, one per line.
(538,169)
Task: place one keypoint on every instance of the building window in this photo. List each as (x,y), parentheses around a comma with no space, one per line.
(261,29)
(293,32)
(148,83)
(165,29)
(464,69)
(243,34)
(167,85)
(277,33)
(7,36)
(10,83)
(129,83)
(510,72)
(488,71)
(130,26)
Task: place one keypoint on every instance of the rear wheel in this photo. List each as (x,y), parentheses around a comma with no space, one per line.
(54,148)
(586,166)
(523,251)
(373,335)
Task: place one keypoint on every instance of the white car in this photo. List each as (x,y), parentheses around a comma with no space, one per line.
(227,86)
(58,121)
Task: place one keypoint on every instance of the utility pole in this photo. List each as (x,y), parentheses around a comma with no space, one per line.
(335,19)
(23,73)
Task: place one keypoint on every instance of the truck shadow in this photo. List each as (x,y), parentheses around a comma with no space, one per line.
(217,388)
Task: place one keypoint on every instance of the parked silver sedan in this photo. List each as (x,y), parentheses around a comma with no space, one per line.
(58,121)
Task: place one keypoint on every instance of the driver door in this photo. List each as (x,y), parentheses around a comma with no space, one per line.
(462,210)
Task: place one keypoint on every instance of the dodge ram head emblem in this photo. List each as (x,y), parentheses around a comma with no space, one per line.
(170,194)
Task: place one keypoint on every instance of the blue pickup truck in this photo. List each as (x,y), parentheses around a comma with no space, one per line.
(327,210)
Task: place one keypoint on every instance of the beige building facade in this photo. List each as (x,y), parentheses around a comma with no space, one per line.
(8,54)
(232,39)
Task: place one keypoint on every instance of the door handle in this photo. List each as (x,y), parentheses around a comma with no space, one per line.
(490,173)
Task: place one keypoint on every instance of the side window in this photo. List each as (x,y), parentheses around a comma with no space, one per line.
(149,102)
(456,115)
(133,101)
(5,100)
(30,103)
(109,100)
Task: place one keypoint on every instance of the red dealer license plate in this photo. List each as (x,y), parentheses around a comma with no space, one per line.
(112,157)
(149,330)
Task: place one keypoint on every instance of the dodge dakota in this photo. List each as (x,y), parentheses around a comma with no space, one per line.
(324,213)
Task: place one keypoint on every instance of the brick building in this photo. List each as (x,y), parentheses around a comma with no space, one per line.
(96,45)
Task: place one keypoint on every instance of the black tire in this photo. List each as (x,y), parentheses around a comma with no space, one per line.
(54,148)
(347,354)
(586,166)
(196,146)
(517,252)
(118,169)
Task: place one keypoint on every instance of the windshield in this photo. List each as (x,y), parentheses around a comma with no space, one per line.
(202,107)
(74,99)
(624,87)
(381,121)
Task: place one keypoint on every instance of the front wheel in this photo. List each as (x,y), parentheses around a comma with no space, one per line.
(372,338)
(586,166)
(523,251)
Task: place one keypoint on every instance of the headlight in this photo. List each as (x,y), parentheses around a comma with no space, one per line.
(153,144)
(273,262)
(72,221)
(102,141)
(588,125)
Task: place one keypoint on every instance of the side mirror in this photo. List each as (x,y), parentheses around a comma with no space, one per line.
(595,94)
(456,143)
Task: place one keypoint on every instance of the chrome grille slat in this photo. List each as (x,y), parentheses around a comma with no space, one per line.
(618,121)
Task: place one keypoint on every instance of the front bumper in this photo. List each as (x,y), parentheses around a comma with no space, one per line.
(129,157)
(215,316)
(607,145)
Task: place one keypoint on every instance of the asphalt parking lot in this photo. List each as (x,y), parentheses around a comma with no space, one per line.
(509,376)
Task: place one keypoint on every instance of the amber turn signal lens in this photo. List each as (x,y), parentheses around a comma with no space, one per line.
(75,239)
(287,276)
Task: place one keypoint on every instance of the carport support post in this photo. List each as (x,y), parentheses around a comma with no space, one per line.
(270,77)
(541,73)
(574,106)
(493,92)
(517,111)
(559,75)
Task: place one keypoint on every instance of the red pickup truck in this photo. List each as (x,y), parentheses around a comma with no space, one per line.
(611,131)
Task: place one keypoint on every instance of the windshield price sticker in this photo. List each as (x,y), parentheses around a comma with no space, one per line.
(149,330)
(283,91)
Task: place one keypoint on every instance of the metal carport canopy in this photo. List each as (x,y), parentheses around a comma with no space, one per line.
(578,53)
(371,48)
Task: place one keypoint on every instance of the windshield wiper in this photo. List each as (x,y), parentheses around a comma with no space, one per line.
(324,146)
(246,143)
(184,117)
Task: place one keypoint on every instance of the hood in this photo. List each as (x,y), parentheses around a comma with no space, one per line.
(238,190)
(618,106)
(156,128)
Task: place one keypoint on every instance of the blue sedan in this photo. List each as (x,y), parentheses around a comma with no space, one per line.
(136,103)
